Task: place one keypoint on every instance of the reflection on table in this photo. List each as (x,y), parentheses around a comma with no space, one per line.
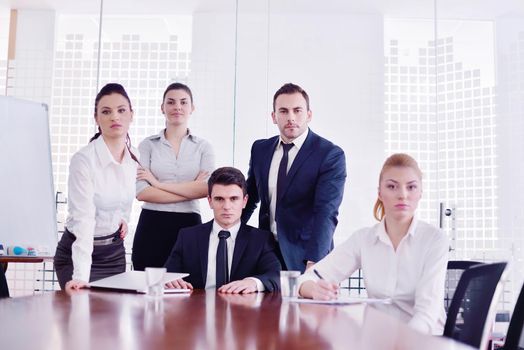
(201,320)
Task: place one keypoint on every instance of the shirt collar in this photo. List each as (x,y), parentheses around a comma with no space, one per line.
(233,230)
(104,154)
(299,141)
(381,234)
(189,135)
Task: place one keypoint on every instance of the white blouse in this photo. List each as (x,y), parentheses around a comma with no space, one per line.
(413,276)
(101,193)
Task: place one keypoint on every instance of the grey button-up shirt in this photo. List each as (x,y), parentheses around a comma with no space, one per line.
(156,153)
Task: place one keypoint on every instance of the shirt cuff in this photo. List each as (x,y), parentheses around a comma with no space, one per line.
(81,259)
(306,277)
(81,273)
(260,285)
(140,186)
(420,324)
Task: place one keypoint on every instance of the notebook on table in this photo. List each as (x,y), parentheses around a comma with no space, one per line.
(132,281)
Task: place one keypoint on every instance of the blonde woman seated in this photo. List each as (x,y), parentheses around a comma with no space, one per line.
(401,258)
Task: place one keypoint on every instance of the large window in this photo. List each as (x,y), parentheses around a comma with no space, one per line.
(437,80)
(143,53)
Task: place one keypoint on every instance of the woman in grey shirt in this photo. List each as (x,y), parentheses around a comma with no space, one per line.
(176,165)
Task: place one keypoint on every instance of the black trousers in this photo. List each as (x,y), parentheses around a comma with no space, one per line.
(106,260)
(156,234)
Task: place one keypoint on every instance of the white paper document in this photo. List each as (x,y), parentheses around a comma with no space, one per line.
(134,281)
(341,301)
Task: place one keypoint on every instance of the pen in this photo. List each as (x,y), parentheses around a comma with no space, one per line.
(318,274)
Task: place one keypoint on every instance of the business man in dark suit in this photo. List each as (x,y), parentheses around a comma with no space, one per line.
(298,177)
(225,249)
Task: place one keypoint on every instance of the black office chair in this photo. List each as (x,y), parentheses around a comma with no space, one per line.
(4,290)
(455,270)
(356,282)
(513,338)
(472,309)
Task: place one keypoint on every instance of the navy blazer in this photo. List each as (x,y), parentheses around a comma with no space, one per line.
(306,212)
(253,256)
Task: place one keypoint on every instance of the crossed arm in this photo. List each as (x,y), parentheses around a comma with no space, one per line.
(170,192)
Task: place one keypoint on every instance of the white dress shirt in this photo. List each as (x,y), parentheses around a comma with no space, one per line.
(273,174)
(212,255)
(413,276)
(100,196)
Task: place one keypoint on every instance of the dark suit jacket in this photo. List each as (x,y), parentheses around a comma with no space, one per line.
(4,290)
(254,256)
(306,212)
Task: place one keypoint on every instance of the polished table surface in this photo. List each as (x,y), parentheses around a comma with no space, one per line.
(202,320)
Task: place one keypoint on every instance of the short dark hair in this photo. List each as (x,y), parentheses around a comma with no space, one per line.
(178,86)
(227,176)
(289,89)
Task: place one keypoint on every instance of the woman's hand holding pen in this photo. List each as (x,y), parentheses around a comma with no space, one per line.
(325,290)
(319,290)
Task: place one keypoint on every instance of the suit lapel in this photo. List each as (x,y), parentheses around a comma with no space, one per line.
(240,246)
(267,157)
(203,247)
(305,151)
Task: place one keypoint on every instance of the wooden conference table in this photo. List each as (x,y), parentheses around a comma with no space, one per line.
(202,320)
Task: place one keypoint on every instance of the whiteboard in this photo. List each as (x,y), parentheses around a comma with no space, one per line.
(27,195)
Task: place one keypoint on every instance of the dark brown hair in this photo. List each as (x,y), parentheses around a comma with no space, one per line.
(178,86)
(289,89)
(109,89)
(227,176)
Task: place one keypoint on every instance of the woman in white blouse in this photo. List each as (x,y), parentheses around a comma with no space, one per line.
(401,258)
(100,194)
(176,164)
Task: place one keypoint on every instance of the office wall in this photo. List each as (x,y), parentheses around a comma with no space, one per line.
(31,69)
(379,83)
(343,75)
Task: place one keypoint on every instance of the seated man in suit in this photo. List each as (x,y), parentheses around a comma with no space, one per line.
(225,249)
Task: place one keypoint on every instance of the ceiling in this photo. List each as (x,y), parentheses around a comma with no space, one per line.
(470,9)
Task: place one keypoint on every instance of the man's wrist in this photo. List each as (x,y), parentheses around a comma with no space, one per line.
(259,286)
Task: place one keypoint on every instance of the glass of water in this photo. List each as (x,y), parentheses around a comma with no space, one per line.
(155,281)
(289,284)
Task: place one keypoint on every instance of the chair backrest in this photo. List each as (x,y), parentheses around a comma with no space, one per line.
(513,339)
(472,309)
(356,282)
(455,270)
(4,290)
